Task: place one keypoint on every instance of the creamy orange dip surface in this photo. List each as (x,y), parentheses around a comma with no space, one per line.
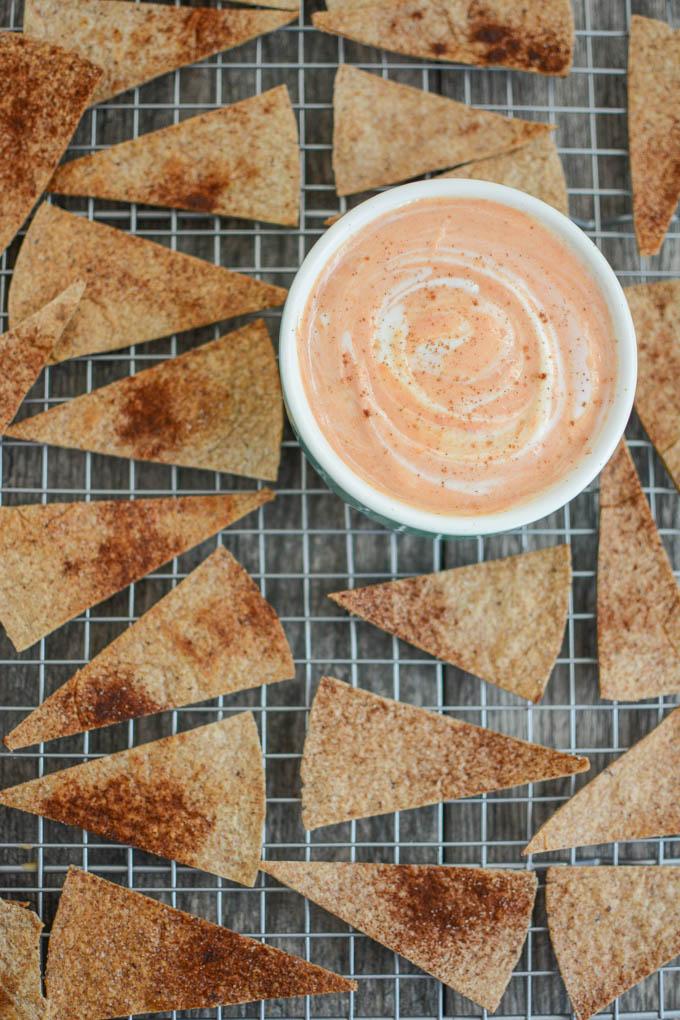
(457,356)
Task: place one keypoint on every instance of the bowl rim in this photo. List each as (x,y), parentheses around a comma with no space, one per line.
(359,491)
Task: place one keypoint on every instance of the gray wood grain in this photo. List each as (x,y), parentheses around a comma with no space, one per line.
(307,544)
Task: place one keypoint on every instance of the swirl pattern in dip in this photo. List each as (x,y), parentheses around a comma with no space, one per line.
(457,356)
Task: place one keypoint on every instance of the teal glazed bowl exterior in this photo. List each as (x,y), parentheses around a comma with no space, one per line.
(379,506)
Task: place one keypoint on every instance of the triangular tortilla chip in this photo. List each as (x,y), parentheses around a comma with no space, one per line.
(45,91)
(241,160)
(26,349)
(58,559)
(653,128)
(365,755)
(633,798)
(20,983)
(610,928)
(113,952)
(465,926)
(638,599)
(136,290)
(502,620)
(529,37)
(213,634)
(217,407)
(384,132)
(134,43)
(535,168)
(655,308)
(196,797)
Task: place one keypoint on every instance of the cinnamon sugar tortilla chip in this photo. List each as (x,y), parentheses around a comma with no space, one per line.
(58,559)
(213,634)
(655,308)
(502,620)
(638,600)
(20,984)
(25,350)
(535,168)
(653,128)
(241,160)
(465,926)
(134,43)
(528,37)
(113,952)
(218,407)
(384,132)
(196,797)
(611,927)
(365,755)
(635,797)
(136,290)
(44,91)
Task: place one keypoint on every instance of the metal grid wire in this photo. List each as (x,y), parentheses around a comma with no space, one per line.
(308,543)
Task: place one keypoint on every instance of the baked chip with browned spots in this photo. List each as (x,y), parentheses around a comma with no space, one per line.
(26,349)
(655,308)
(58,559)
(385,132)
(611,927)
(653,128)
(44,91)
(217,407)
(211,635)
(241,160)
(366,755)
(196,797)
(136,290)
(113,952)
(635,797)
(465,926)
(525,36)
(20,985)
(135,42)
(502,620)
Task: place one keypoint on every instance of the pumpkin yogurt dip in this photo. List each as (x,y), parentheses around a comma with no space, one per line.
(457,355)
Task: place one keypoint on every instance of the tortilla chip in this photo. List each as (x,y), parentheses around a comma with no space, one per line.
(535,168)
(134,43)
(502,620)
(465,926)
(58,559)
(217,407)
(385,132)
(213,634)
(196,797)
(241,160)
(45,92)
(136,290)
(638,600)
(529,37)
(25,350)
(653,128)
(635,797)
(113,952)
(365,755)
(20,984)
(655,308)
(610,928)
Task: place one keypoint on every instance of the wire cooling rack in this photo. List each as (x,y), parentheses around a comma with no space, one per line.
(308,543)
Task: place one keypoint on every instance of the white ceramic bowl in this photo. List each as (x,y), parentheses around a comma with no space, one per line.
(392,512)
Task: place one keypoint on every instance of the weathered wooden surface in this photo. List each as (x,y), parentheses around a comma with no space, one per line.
(308,543)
